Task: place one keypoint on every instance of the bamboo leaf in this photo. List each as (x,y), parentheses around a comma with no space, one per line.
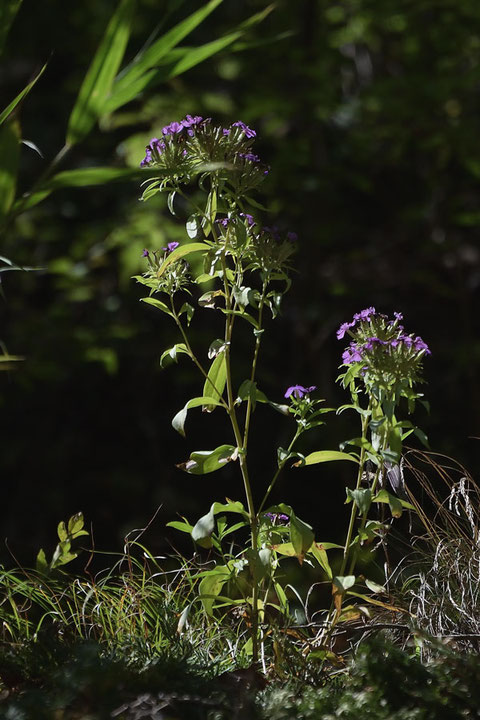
(143,71)
(178,422)
(99,79)
(11,107)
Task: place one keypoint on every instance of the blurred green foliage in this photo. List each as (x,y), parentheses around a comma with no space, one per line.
(366,111)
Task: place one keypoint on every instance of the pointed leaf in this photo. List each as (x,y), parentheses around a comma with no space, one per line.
(99,79)
(181,252)
(216,380)
(322,456)
(142,71)
(207,461)
(158,304)
(319,553)
(178,421)
(173,352)
(203,529)
(11,107)
(301,536)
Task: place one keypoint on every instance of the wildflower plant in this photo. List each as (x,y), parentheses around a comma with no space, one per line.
(245,267)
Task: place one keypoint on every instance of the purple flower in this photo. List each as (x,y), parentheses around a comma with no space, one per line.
(419,345)
(223,221)
(371,342)
(351,354)
(171,247)
(152,152)
(249,133)
(278,518)
(172,129)
(298,391)
(226,131)
(189,122)
(249,156)
(145,253)
(398,316)
(292,236)
(364,315)
(248,218)
(344,327)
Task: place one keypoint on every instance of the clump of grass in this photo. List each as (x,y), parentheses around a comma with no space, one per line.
(445,586)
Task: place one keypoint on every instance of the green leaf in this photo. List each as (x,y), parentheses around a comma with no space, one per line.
(193,227)
(230,506)
(98,82)
(41,563)
(158,304)
(75,524)
(143,71)
(182,526)
(319,553)
(9,109)
(216,380)
(248,391)
(322,456)
(85,177)
(374,587)
(173,352)
(301,537)
(211,586)
(9,154)
(362,497)
(178,421)
(203,529)
(207,461)
(343,583)
(394,502)
(62,532)
(8,10)
(181,252)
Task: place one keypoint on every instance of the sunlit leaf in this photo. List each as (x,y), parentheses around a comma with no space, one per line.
(178,421)
(180,252)
(216,380)
(202,462)
(99,79)
(322,456)
(143,71)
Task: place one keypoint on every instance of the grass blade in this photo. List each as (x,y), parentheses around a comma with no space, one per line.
(10,108)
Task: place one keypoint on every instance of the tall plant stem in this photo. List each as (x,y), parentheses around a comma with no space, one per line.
(258,342)
(242,453)
(353,513)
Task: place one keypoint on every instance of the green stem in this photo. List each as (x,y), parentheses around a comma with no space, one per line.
(278,471)
(258,341)
(353,512)
(194,357)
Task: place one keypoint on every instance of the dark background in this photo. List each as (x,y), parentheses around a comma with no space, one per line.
(368,112)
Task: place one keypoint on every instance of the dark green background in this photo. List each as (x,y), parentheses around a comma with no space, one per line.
(368,113)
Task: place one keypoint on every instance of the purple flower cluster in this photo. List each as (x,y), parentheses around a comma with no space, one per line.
(249,133)
(368,324)
(363,316)
(156,147)
(251,157)
(153,151)
(298,391)
(188,124)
